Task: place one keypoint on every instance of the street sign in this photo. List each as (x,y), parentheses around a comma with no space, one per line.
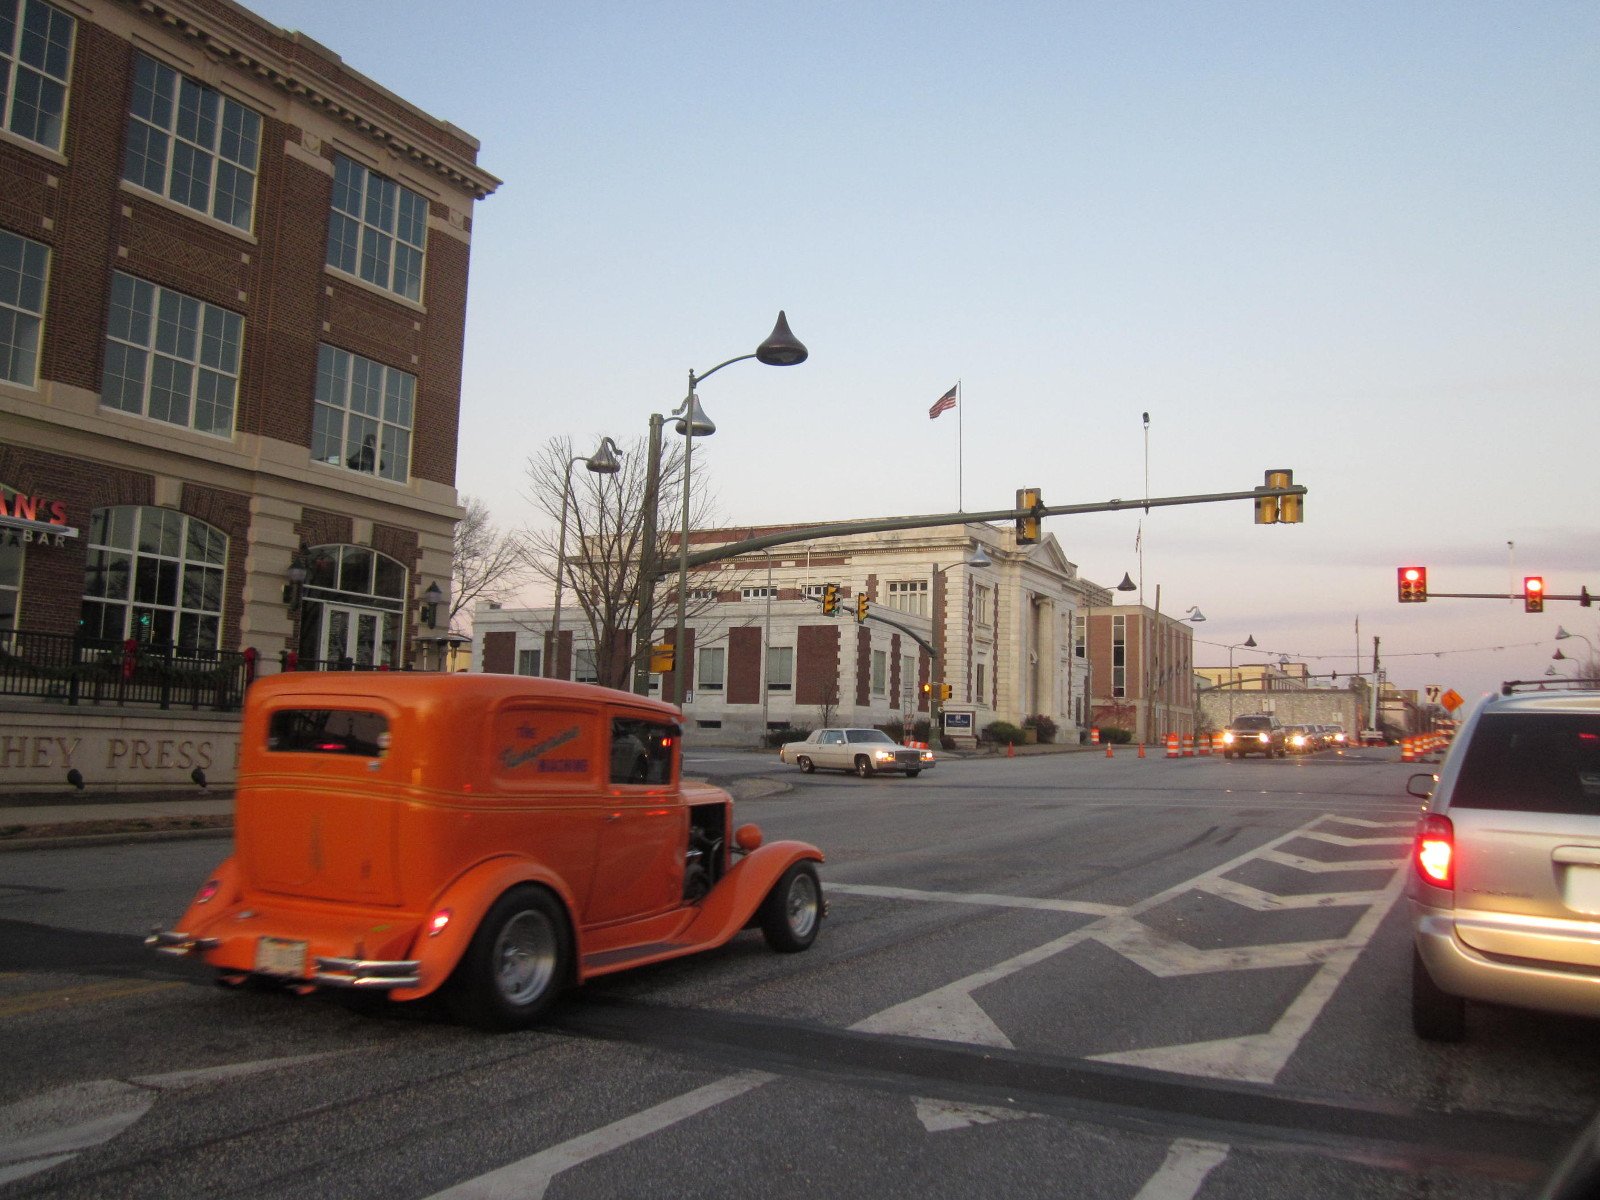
(1434,691)
(1452,699)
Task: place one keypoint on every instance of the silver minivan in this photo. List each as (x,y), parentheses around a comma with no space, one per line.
(1505,881)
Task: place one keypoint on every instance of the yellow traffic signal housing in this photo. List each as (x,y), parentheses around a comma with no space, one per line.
(945,691)
(1276,510)
(861,606)
(662,656)
(1533,594)
(1028,526)
(830,599)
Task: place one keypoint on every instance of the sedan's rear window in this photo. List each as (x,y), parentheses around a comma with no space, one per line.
(328,731)
(1532,762)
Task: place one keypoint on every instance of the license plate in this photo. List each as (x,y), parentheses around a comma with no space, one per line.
(279,956)
(1583,889)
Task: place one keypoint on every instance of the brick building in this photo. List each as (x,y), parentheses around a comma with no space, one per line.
(233,279)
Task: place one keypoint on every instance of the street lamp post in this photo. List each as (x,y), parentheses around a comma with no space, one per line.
(602,462)
(1249,643)
(1562,635)
(976,559)
(781,349)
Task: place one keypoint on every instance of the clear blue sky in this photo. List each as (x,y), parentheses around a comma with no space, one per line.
(1357,240)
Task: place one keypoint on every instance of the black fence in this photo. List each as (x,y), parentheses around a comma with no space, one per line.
(73,670)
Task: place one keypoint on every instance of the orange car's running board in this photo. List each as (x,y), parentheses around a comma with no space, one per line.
(170,941)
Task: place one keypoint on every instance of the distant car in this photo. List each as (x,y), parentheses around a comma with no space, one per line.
(1336,736)
(1300,739)
(867,752)
(1505,882)
(1254,733)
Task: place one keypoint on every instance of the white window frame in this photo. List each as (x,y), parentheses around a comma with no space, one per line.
(191,144)
(37,78)
(24,283)
(530,661)
(377,230)
(758,593)
(880,672)
(169,562)
(983,606)
(780,668)
(358,399)
(908,596)
(585,665)
(186,354)
(709,677)
(704,594)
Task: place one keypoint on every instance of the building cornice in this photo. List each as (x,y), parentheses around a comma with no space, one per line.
(320,79)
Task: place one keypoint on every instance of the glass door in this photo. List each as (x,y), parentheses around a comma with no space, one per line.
(362,635)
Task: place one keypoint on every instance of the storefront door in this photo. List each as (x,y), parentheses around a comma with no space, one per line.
(358,634)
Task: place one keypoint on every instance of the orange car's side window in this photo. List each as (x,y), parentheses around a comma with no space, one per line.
(641,751)
(328,731)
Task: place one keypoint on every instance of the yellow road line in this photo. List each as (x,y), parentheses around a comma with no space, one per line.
(89,993)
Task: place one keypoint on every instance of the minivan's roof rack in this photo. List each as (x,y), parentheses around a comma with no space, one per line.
(1558,684)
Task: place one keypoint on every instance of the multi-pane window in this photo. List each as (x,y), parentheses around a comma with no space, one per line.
(1077,637)
(527,662)
(758,593)
(155,575)
(880,672)
(980,680)
(1119,656)
(378,229)
(35,63)
(363,415)
(192,144)
(584,667)
(171,357)
(711,675)
(23,264)
(11,546)
(983,605)
(708,595)
(813,591)
(909,596)
(780,668)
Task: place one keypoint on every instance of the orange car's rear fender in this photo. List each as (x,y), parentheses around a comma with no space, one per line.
(739,893)
(221,892)
(467,900)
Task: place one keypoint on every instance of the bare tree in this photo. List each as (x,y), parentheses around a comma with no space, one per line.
(605,534)
(489,564)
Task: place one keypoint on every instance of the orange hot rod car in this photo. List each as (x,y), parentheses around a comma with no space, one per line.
(493,838)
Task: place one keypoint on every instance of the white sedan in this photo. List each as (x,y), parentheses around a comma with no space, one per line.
(865,751)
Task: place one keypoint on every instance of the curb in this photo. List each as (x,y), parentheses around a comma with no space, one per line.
(103,837)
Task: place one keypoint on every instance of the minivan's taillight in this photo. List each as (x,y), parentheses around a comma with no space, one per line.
(1435,854)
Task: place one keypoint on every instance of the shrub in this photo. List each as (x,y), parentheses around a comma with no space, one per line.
(780,737)
(895,729)
(947,743)
(1115,733)
(1002,733)
(920,729)
(1043,726)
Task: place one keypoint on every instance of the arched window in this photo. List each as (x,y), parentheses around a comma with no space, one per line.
(155,575)
(10,569)
(352,606)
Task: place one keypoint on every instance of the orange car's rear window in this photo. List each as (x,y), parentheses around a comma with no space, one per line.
(328,731)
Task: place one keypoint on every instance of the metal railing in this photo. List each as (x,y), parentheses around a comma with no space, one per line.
(75,670)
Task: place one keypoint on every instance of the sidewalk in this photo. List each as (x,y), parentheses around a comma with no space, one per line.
(32,822)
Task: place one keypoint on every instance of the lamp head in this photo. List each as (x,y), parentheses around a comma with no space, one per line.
(1561,633)
(1558,654)
(433,595)
(604,461)
(782,348)
(1196,615)
(978,558)
(1127,584)
(1249,642)
(695,418)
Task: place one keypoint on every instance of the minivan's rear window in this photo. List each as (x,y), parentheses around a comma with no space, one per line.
(328,731)
(1532,762)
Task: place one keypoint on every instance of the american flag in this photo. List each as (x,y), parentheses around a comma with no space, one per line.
(943,404)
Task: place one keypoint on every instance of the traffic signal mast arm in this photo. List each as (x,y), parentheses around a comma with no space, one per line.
(806,533)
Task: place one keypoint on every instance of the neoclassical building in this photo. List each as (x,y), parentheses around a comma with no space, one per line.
(762,654)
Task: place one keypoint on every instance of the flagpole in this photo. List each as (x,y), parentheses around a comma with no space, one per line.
(960,446)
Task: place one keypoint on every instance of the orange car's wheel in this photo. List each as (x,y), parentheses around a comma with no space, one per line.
(519,961)
(791,914)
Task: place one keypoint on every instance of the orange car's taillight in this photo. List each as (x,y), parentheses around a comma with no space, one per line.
(1435,854)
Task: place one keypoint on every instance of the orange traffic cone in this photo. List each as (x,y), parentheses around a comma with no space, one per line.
(1011,749)
(1141,749)
(1109,754)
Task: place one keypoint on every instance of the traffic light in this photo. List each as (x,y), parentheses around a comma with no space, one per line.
(945,691)
(1533,593)
(1275,510)
(861,606)
(1413,584)
(1028,526)
(927,689)
(830,599)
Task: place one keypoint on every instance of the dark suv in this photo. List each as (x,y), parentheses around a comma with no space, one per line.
(1254,733)
(1505,885)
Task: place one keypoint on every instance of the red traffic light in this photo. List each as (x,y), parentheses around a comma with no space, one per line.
(1413,583)
(1533,593)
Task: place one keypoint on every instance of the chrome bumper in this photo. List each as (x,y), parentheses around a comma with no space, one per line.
(171,941)
(367,974)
